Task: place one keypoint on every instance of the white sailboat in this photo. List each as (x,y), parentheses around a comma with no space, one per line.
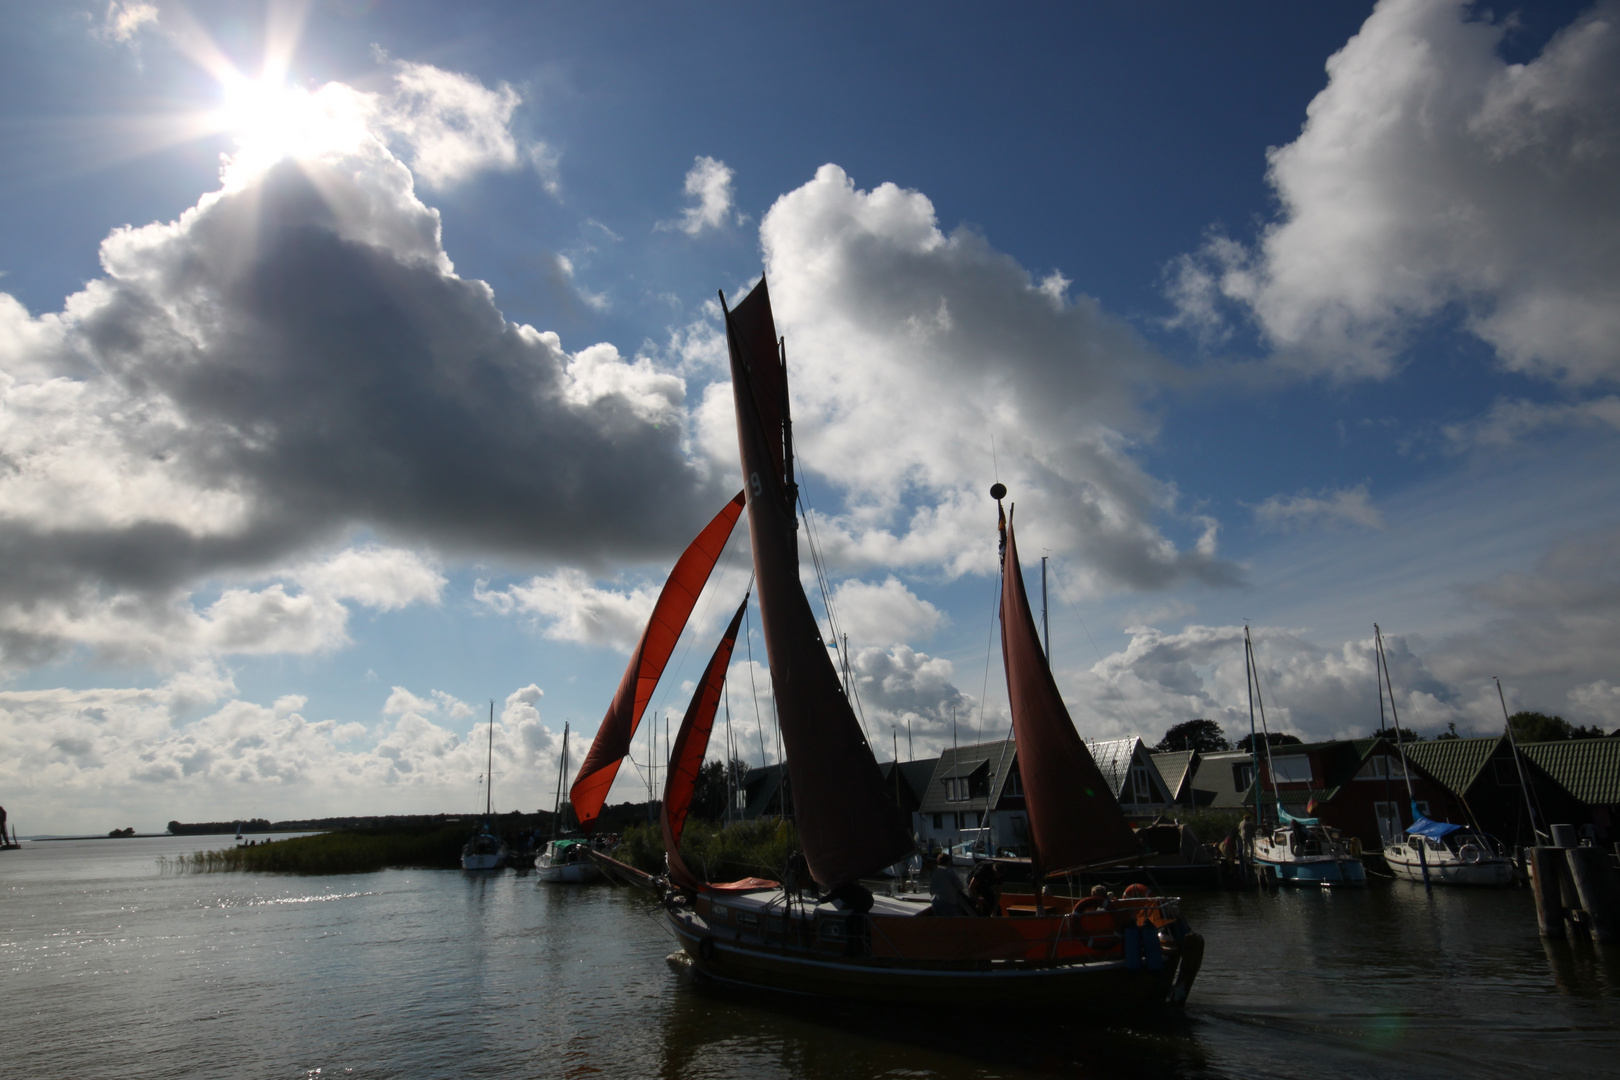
(486,850)
(566,860)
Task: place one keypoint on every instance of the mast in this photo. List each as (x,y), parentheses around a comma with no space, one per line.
(1536,830)
(1254,737)
(1046,629)
(848,825)
(562,769)
(1406,773)
(489,769)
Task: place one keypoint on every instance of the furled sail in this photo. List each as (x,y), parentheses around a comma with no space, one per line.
(691,747)
(1074,818)
(848,824)
(674,607)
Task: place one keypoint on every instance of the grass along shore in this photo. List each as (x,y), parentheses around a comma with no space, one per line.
(716,851)
(348,852)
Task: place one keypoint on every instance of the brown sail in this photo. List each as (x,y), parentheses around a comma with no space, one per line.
(848,824)
(1074,818)
(674,607)
(691,747)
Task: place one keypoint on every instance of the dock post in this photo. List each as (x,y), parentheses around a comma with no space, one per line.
(1595,890)
(1546,874)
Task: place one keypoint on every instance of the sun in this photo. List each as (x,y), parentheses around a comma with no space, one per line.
(271,121)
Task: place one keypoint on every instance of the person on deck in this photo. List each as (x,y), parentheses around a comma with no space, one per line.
(1099,900)
(984,885)
(949,896)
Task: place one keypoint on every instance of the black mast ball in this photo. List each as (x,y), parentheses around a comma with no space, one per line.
(998,491)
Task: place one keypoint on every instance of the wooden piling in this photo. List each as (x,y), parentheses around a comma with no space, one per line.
(1547,872)
(1596,891)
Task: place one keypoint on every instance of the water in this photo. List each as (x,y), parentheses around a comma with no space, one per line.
(113,969)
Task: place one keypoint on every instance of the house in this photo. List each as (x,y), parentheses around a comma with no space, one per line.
(1494,789)
(1221,780)
(908,781)
(1128,766)
(1358,786)
(1588,772)
(766,792)
(1176,769)
(973,787)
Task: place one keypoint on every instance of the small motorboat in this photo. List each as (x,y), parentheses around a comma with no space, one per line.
(1451,855)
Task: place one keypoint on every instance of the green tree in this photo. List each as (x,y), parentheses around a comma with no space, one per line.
(1539,727)
(1275,738)
(1202,735)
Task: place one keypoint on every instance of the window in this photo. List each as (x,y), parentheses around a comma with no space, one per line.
(1015,783)
(1242,775)
(939,821)
(1389,820)
(978,782)
(1291,770)
(1507,774)
(1141,785)
(1382,767)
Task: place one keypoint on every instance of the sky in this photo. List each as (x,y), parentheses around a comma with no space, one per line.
(362,373)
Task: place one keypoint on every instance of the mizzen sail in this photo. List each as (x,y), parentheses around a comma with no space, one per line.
(848,824)
(691,747)
(652,652)
(1074,818)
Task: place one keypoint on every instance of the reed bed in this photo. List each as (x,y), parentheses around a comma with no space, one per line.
(348,852)
(718,852)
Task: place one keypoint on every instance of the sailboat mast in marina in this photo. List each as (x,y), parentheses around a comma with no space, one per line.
(831,935)
(486,850)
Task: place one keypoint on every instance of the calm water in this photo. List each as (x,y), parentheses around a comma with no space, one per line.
(109,968)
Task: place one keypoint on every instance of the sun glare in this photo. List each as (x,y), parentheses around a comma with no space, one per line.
(270,121)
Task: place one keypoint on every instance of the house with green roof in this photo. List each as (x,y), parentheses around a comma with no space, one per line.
(1588,770)
(1495,790)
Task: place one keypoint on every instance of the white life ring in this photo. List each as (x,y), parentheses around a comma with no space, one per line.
(1470,853)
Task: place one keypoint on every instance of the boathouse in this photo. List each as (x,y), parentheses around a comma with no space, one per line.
(1497,791)
(1138,785)
(1588,772)
(973,787)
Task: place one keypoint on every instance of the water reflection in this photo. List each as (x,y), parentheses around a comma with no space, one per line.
(418,973)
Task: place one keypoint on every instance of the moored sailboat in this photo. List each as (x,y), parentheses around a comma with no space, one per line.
(566,859)
(820,931)
(486,850)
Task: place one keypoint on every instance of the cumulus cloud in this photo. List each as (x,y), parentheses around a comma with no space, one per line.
(1433,175)
(79,758)
(885,614)
(708,183)
(454,126)
(575,608)
(123,20)
(1325,509)
(927,344)
(291,359)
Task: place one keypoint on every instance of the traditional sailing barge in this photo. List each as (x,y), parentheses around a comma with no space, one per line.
(820,932)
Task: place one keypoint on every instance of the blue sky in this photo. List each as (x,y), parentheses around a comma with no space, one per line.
(361,365)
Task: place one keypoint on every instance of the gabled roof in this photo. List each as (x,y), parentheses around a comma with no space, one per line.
(1176,769)
(913,774)
(1455,763)
(959,761)
(1115,757)
(1588,769)
(1214,774)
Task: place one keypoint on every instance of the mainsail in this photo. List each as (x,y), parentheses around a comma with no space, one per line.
(1074,818)
(691,747)
(652,652)
(848,824)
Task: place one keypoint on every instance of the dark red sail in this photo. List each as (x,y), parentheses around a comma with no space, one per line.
(1074,818)
(848,824)
(691,747)
(669,615)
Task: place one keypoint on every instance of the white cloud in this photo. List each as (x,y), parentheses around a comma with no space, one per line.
(909,349)
(884,614)
(124,20)
(709,183)
(1325,509)
(454,126)
(1431,173)
(576,609)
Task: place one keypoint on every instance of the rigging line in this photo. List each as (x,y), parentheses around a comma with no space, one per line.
(989,639)
(1123,703)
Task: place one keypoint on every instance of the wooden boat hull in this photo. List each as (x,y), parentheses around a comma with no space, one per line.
(1103,982)
(575,873)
